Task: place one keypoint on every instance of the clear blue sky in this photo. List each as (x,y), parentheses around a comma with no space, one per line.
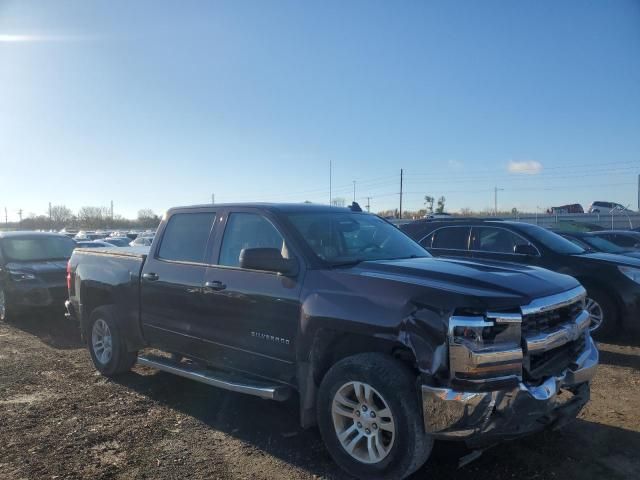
(158,103)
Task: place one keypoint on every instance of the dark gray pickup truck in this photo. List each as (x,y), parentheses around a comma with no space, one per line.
(385,347)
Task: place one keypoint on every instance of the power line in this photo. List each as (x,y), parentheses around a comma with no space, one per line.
(522,177)
(448,192)
(580,166)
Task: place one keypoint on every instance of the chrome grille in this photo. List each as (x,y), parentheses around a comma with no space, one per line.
(546,321)
(553,336)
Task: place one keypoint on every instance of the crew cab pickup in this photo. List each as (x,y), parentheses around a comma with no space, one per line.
(385,347)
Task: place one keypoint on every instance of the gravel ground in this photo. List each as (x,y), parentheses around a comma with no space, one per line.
(60,419)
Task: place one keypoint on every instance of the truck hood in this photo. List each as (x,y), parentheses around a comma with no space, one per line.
(478,278)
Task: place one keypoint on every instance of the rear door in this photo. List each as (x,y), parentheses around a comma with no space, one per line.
(253,315)
(172,300)
(448,241)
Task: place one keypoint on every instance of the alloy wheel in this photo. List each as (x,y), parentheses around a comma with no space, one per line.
(363,422)
(596,313)
(101,341)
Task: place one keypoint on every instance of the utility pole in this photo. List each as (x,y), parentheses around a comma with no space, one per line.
(368,204)
(20,216)
(6,217)
(639,192)
(401,177)
(354,190)
(50,218)
(330,175)
(495,199)
(213,198)
(112,210)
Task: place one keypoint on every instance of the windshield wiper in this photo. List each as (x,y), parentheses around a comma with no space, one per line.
(409,257)
(348,263)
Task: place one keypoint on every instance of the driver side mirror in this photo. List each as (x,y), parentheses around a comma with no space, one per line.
(268,260)
(527,249)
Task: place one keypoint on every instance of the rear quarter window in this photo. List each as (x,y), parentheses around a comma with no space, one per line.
(185,237)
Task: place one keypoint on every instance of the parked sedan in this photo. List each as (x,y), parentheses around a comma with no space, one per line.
(87,236)
(142,241)
(93,244)
(612,281)
(596,243)
(32,270)
(623,238)
(117,241)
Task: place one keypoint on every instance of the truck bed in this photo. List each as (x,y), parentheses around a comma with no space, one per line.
(109,276)
(139,252)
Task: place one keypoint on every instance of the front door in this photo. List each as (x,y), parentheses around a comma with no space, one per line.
(253,315)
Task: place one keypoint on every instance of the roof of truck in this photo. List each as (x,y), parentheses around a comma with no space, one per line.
(280,207)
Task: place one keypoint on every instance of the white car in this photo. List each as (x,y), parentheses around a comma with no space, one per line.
(142,241)
(606,207)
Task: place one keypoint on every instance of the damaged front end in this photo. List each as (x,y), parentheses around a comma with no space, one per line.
(514,372)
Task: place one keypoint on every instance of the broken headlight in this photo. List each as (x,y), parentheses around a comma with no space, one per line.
(483,348)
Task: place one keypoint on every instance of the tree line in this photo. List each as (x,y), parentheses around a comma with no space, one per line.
(86,218)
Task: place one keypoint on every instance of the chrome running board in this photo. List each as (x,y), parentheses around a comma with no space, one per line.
(216,378)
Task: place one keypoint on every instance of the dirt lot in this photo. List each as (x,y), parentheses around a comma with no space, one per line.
(60,419)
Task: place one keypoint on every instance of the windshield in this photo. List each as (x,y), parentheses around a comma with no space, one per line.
(602,245)
(344,237)
(30,249)
(552,241)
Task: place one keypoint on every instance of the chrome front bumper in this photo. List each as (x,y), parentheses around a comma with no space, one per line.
(482,417)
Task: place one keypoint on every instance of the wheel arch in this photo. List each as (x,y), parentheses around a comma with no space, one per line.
(328,347)
(595,283)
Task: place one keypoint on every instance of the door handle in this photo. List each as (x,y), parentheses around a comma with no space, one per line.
(152,277)
(215,285)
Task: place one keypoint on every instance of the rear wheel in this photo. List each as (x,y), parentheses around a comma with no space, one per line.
(106,344)
(370,418)
(604,316)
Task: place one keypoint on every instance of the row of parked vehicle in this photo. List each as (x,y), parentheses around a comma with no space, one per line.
(388,343)
(607,263)
(104,239)
(110,237)
(596,207)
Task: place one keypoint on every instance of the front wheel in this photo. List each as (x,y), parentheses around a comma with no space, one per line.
(370,418)
(106,343)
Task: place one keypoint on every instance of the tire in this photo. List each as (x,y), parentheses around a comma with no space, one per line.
(106,344)
(5,310)
(599,301)
(389,390)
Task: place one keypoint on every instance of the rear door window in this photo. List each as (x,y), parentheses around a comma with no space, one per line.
(185,237)
(496,240)
(450,238)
